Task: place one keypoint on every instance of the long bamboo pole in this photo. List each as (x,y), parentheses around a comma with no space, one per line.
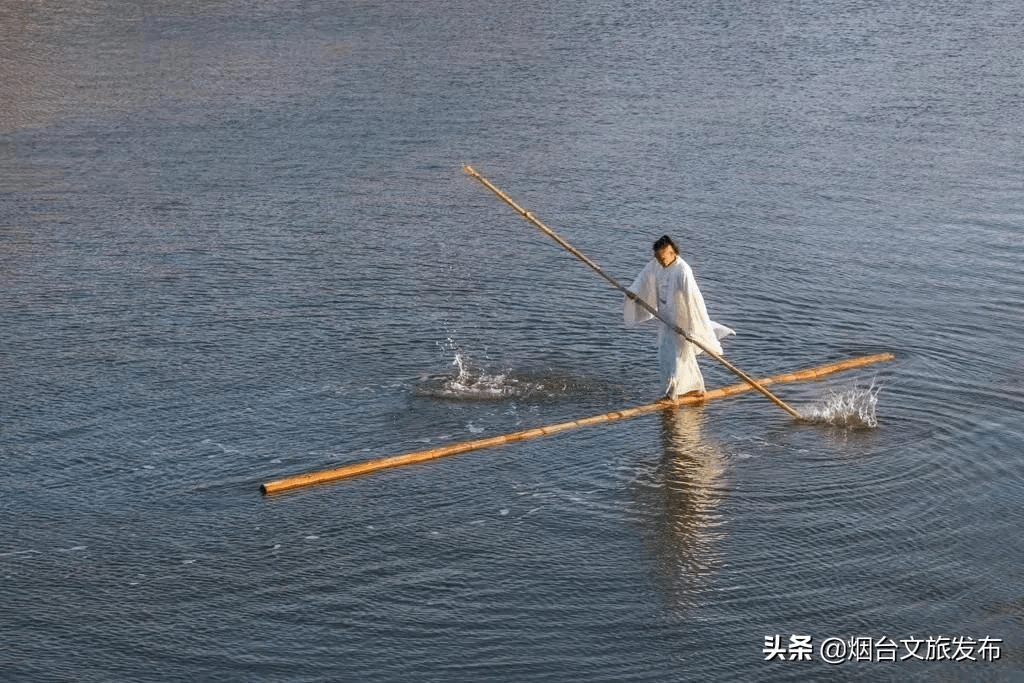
(650,309)
(348,471)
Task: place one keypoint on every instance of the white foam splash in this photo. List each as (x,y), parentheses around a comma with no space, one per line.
(852,408)
(476,380)
(471,382)
(479,384)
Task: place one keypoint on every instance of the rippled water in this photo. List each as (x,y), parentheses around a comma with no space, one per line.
(236,244)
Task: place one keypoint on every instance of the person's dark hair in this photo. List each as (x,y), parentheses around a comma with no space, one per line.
(665,241)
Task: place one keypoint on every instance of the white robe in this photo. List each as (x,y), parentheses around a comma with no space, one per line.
(673,292)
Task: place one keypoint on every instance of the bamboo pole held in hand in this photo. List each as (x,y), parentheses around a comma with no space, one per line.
(650,309)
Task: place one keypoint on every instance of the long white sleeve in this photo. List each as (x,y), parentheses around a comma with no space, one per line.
(646,287)
(692,314)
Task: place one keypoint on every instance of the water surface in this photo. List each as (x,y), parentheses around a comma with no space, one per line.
(236,244)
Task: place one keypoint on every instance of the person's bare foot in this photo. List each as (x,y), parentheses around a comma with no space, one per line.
(676,400)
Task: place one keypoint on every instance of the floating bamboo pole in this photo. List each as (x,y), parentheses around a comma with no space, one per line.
(347,471)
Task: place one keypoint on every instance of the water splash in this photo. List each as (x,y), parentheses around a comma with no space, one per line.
(472,382)
(854,408)
(476,381)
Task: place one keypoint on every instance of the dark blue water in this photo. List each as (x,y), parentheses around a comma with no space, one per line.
(236,244)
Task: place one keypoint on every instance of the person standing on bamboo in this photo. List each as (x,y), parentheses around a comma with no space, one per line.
(667,284)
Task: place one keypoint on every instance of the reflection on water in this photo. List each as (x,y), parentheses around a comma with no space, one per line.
(683,496)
